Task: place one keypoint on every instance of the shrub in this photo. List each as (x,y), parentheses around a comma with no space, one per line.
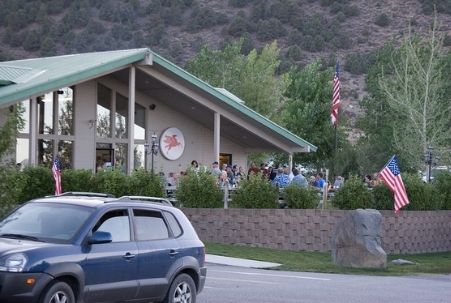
(11,186)
(422,196)
(382,197)
(442,184)
(270,29)
(359,63)
(354,194)
(76,180)
(382,20)
(199,190)
(144,183)
(447,40)
(112,182)
(37,182)
(255,192)
(299,197)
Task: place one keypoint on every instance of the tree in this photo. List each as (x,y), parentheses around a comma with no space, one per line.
(252,78)
(414,91)
(307,110)
(376,146)
(8,131)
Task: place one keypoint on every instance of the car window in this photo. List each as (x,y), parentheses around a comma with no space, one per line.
(149,225)
(173,224)
(117,223)
(51,222)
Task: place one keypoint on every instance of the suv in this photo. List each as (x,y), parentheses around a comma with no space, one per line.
(99,249)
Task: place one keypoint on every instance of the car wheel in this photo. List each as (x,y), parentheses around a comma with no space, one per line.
(59,292)
(182,290)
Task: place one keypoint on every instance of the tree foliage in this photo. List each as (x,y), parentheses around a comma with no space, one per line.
(8,131)
(414,89)
(307,110)
(251,77)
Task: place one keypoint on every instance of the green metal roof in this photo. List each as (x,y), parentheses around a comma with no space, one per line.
(22,79)
(35,76)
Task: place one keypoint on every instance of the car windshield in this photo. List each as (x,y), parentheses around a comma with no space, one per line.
(49,222)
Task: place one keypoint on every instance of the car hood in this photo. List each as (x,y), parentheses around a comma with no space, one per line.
(8,246)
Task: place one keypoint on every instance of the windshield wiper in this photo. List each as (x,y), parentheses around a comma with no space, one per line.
(19,236)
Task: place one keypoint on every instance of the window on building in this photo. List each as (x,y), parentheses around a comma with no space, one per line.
(104,102)
(24,107)
(139,156)
(55,119)
(140,122)
(121,116)
(45,114)
(45,152)
(65,111)
(65,152)
(120,153)
(22,151)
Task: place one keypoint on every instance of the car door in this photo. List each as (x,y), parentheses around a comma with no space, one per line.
(111,268)
(158,256)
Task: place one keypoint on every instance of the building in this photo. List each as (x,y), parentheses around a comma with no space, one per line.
(100,109)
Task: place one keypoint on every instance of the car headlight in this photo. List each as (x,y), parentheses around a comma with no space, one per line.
(13,263)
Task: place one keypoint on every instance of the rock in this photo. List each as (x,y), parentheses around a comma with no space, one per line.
(402,262)
(356,240)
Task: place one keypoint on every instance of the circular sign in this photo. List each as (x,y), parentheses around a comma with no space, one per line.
(172,143)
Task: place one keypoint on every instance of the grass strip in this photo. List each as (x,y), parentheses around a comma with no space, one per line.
(428,263)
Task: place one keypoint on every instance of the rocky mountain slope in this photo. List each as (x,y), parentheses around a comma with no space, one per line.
(306,30)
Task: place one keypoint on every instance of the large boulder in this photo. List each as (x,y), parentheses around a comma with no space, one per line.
(356,240)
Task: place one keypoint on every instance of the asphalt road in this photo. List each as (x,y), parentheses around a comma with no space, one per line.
(227,284)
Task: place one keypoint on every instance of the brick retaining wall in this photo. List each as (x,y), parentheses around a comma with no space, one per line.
(311,229)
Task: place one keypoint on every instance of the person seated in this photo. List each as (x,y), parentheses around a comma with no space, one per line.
(171,180)
(299,179)
(281,180)
(338,183)
(319,181)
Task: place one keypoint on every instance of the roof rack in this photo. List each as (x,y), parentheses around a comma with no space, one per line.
(85,194)
(146,199)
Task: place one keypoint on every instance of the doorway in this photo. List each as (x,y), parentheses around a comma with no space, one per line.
(104,157)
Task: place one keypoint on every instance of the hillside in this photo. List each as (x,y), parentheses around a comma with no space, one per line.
(305,30)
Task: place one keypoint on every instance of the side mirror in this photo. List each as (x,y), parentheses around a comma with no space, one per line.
(100,237)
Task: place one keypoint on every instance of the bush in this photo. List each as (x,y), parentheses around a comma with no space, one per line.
(382,198)
(199,190)
(37,182)
(11,186)
(112,182)
(144,183)
(359,63)
(255,192)
(382,20)
(442,184)
(422,196)
(76,180)
(271,29)
(354,194)
(299,197)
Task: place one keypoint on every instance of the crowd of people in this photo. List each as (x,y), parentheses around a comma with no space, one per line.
(231,176)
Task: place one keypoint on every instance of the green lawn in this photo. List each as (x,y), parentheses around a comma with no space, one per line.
(322,262)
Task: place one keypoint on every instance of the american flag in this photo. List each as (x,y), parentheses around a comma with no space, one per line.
(56,170)
(335,97)
(391,176)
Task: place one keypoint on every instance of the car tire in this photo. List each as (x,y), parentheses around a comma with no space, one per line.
(182,290)
(58,292)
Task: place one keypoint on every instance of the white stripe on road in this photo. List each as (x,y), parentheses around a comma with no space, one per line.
(240,280)
(269,275)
